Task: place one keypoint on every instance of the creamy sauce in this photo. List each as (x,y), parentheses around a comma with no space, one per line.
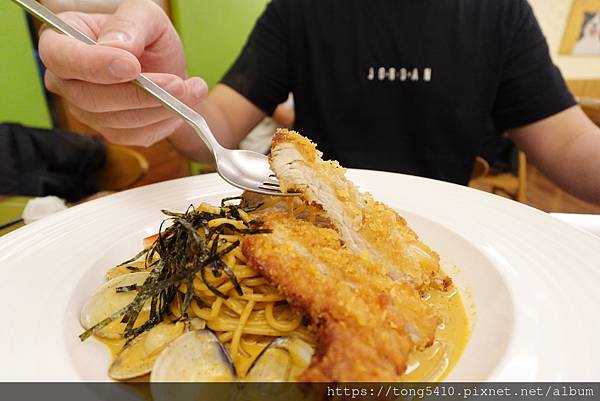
(435,362)
(253,349)
(432,364)
(114,346)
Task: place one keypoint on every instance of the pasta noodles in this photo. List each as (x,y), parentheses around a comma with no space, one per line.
(247,313)
(245,323)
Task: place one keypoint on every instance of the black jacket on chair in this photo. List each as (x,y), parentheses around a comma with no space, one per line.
(40,162)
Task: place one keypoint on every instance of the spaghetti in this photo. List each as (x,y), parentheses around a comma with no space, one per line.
(244,311)
(244,323)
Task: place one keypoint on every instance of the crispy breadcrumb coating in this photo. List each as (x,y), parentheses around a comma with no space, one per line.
(366,323)
(365,225)
(350,263)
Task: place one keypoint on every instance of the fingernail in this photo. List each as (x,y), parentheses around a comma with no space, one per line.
(198,88)
(122,68)
(112,37)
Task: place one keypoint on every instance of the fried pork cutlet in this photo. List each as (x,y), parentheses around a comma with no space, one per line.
(365,225)
(292,206)
(366,323)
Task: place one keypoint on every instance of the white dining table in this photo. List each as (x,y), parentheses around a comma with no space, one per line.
(586,222)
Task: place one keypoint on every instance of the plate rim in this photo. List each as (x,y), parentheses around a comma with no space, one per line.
(365,177)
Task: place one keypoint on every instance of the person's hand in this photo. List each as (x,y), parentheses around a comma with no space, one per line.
(94,80)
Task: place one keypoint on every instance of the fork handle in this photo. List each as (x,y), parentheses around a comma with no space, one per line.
(171,102)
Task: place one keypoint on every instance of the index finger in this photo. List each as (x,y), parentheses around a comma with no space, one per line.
(69,58)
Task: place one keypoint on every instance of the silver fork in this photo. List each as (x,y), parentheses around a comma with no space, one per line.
(241,168)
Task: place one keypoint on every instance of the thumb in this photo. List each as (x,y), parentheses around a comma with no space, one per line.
(134,25)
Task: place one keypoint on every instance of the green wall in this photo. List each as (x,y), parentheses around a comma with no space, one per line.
(22,98)
(213,32)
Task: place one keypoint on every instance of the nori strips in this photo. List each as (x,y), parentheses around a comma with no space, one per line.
(183,250)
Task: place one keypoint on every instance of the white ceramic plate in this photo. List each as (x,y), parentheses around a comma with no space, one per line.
(531,278)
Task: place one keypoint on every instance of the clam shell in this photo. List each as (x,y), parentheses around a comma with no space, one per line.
(137,358)
(197,356)
(134,267)
(283,360)
(106,301)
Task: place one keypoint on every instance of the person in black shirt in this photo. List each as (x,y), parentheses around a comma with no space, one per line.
(396,85)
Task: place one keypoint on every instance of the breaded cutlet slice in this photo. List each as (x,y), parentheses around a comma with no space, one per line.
(365,225)
(365,323)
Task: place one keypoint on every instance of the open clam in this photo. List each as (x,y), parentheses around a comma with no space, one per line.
(133,267)
(106,300)
(137,358)
(197,356)
(283,360)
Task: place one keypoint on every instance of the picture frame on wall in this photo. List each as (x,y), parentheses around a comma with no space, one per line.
(582,33)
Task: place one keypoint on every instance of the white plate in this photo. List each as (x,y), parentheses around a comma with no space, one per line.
(585,222)
(533,279)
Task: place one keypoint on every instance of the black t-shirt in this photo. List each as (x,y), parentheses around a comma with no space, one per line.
(412,86)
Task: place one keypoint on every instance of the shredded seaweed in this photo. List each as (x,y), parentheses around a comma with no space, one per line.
(229,199)
(136,257)
(184,249)
(128,288)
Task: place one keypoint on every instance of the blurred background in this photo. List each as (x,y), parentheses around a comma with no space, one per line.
(25,101)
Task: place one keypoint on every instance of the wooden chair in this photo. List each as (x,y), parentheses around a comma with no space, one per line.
(481,168)
(587,93)
(506,184)
(124,168)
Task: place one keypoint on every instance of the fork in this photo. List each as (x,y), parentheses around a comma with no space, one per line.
(242,168)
